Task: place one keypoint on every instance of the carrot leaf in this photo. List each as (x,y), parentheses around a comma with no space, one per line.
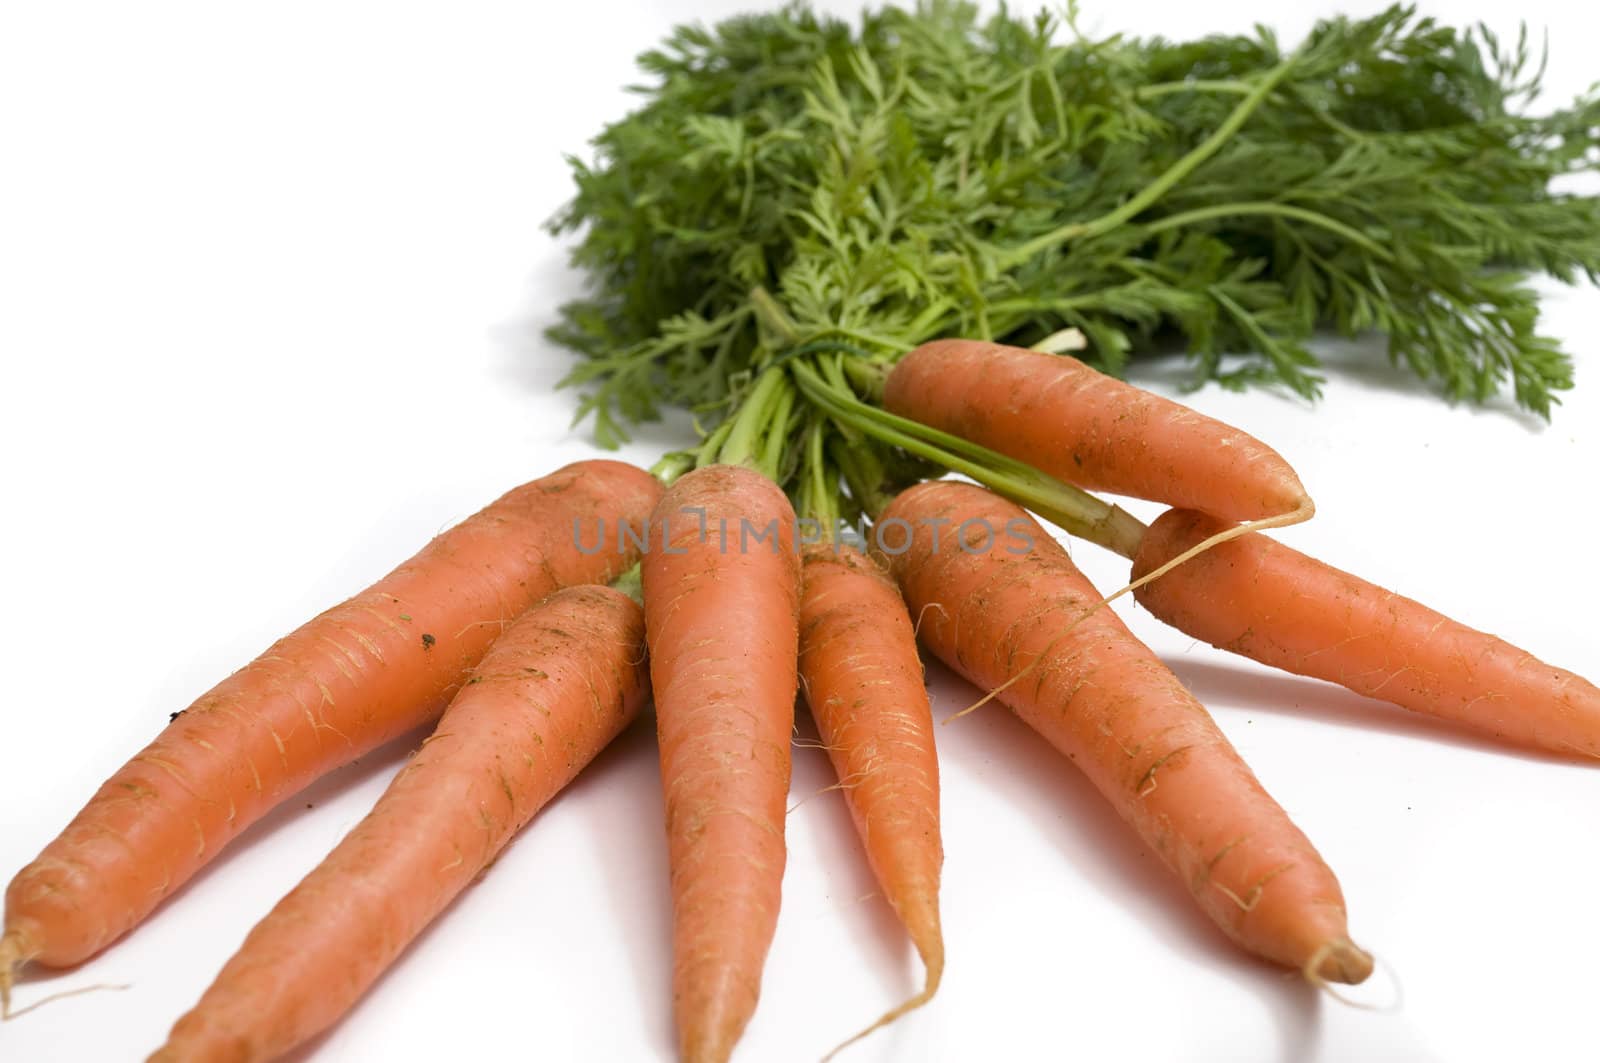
(795,190)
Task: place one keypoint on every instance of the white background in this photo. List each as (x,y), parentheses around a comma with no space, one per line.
(271,285)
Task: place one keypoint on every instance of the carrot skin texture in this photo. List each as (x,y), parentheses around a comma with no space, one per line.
(1105,701)
(356,676)
(721,616)
(1082,426)
(863,679)
(1258,598)
(553,691)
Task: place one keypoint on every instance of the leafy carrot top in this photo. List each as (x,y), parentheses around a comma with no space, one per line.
(803,195)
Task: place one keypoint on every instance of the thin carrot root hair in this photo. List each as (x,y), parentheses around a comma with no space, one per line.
(98,987)
(1298,515)
(14,954)
(840,786)
(916,625)
(932,951)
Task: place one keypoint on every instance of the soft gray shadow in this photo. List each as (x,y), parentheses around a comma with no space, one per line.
(610,762)
(529,360)
(1169,369)
(1362,360)
(1365,360)
(874,924)
(1291,695)
(1064,807)
(383,761)
(307,1052)
(623,785)
(533,363)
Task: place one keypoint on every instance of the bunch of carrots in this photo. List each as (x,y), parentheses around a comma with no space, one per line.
(786,239)
(535,630)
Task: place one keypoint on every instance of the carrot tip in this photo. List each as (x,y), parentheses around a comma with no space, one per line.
(1339,960)
(13,954)
(933,960)
(15,951)
(714,1049)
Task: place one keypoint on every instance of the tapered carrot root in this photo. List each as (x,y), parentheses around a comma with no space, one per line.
(559,685)
(1261,599)
(1079,425)
(991,610)
(863,680)
(356,676)
(721,615)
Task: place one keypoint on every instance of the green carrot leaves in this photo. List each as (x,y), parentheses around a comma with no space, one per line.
(928,173)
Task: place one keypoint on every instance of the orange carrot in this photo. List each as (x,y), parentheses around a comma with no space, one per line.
(997,596)
(863,680)
(356,676)
(721,616)
(1261,599)
(1092,430)
(549,695)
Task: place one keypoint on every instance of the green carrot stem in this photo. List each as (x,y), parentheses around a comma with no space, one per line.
(707,454)
(777,439)
(1283,210)
(747,438)
(1079,512)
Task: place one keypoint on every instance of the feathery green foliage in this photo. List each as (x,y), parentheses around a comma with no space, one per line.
(801,195)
